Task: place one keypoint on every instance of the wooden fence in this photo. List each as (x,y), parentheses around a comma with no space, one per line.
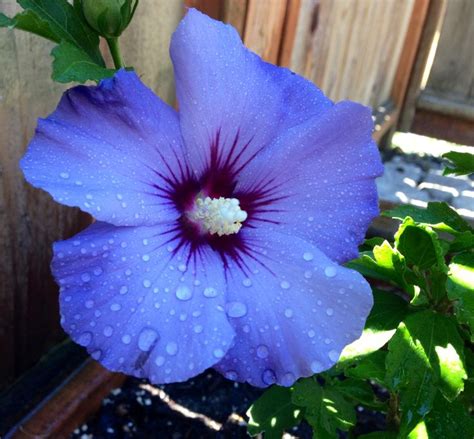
(357,49)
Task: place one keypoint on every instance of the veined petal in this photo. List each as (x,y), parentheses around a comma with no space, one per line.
(112,150)
(139,305)
(293,310)
(232,104)
(318,181)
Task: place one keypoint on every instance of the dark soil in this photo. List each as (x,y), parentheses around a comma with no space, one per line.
(208,406)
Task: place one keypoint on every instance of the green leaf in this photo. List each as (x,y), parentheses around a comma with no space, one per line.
(419,244)
(379,435)
(360,392)
(460,288)
(388,311)
(273,413)
(326,410)
(425,353)
(462,241)
(462,163)
(73,64)
(449,420)
(30,22)
(437,215)
(67,25)
(371,367)
(383,263)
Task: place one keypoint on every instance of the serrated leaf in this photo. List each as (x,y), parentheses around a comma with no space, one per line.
(425,353)
(462,241)
(460,288)
(438,215)
(326,410)
(66,25)
(30,22)
(388,311)
(273,413)
(419,245)
(383,263)
(72,64)
(371,367)
(462,163)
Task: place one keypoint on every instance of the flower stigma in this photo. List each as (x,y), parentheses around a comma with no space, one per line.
(221,216)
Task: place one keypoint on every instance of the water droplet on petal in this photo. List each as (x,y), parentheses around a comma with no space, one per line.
(288,312)
(147,283)
(231,375)
(115,307)
(182,268)
(285,285)
(247,282)
(85,339)
(218,353)
(126,339)
(268,377)
(108,331)
(198,329)
(210,292)
(146,339)
(316,366)
(333,355)
(89,304)
(146,258)
(262,351)
(123,289)
(172,348)
(236,309)
(311,333)
(288,379)
(329,311)
(183,293)
(330,271)
(85,277)
(159,361)
(308,256)
(64,175)
(96,354)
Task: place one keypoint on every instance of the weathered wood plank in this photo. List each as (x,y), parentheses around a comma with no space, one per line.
(264,27)
(235,13)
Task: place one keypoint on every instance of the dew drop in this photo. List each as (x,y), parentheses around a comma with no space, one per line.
(115,307)
(285,285)
(218,353)
(108,331)
(96,354)
(288,379)
(126,339)
(182,268)
(236,309)
(97,271)
(123,289)
(85,339)
(64,175)
(183,293)
(288,312)
(198,329)
(147,283)
(172,348)
(311,333)
(89,304)
(308,256)
(330,271)
(146,258)
(268,377)
(316,366)
(333,355)
(85,277)
(329,311)
(231,375)
(159,361)
(247,282)
(262,351)
(146,339)
(210,292)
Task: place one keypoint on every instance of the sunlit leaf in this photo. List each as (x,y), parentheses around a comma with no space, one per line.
(438,215)
(425,353)
(371,366)
(460,287)
(326,409)
(273,413)
(462,163)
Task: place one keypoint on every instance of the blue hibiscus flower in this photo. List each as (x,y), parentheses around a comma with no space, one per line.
(220,229)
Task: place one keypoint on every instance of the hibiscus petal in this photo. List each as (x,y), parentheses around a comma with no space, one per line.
(111,150)
(293,310)
(232,104)
(318,181)
(138,305)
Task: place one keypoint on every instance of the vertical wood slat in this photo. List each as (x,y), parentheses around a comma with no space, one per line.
(264,27)
(30,220)
(235,12)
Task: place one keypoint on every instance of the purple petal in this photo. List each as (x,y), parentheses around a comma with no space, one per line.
(293,311)
(319,179)
(138,305)
(232,104)
(110,150)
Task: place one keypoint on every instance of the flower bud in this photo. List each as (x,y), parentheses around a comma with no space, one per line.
(109,17)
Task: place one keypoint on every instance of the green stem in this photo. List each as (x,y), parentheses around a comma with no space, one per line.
(115,52)
(393,415)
